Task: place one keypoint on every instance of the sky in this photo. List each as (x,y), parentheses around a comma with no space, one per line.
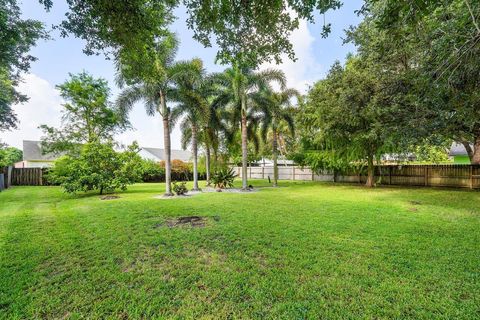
(60,56)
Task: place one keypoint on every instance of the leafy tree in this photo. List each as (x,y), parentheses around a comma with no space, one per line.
(116,27)
(17,36)
(88,116)
(240,83)
(446,35)
(431,154)
(9,156)
(154,88)
(98,167)
(275,109)
(191,95)
(251,32)
(350,117)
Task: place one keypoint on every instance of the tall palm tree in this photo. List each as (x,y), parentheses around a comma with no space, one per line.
(240,84)
(191,94)
(275,110)
(155,91)
(212,133)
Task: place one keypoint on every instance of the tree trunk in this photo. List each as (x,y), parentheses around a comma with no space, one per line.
(275,156)
(469,149)
(207,162)
(475,159)
(167,147)
(195,157)
(215,159)
(244,144)
(370,172)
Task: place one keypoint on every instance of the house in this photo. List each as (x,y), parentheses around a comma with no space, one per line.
(157,154)
(459,153)
(282,161)
(33,156)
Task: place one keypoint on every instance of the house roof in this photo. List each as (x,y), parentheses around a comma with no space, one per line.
(458,149)
(32,150)
(183,155)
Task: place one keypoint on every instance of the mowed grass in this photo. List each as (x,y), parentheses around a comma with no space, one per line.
(300,251)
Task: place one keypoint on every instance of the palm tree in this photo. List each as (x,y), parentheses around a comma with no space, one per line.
(155,91)
(191,94)
(240,83)
(276,110)
(212,133)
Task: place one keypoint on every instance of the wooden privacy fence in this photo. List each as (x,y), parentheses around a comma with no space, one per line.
(23,176)
(459,176)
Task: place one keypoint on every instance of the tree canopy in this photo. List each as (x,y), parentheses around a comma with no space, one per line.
(17,36)
(88,116)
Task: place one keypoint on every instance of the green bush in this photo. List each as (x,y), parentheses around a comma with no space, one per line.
(180,189)
(152,171)
(98,167)
(223,178)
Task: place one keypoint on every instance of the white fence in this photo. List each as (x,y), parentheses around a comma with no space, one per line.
(284,173)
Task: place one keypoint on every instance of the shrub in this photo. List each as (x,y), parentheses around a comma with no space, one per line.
(98,167)
(152,171)
(223,178)
(180,189)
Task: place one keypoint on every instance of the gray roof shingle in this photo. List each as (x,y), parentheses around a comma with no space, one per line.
(183,155)
(32,150)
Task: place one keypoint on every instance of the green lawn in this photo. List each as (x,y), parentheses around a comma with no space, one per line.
(301,251)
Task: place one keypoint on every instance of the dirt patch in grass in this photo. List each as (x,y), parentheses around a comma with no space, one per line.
(109,197)
(413,209)
(415,203)
(188,221)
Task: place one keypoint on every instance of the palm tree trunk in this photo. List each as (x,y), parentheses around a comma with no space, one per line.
(244,143)
(195,157)
(167,146)
(275,156)
(215,159)
(207,162)
(244,153)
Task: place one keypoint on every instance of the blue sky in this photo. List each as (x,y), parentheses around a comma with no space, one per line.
(60,56)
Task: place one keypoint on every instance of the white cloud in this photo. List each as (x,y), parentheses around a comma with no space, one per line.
(43,107)
(305,70)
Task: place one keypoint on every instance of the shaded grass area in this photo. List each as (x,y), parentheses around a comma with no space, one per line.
(301,251)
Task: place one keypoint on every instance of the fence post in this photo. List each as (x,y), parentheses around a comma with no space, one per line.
(426,175)
(293,172)
(250,171)
(313,175)
(471,176)
(390,169)
(263,172)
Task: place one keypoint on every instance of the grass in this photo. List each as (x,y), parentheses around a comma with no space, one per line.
(301,251)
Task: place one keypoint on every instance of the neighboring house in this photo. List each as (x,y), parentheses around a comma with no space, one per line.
(264,162)
(33,156)
(459,153)
(157,154)
(399,157)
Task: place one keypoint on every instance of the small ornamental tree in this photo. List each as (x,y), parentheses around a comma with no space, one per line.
(98,167)
(9,155)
